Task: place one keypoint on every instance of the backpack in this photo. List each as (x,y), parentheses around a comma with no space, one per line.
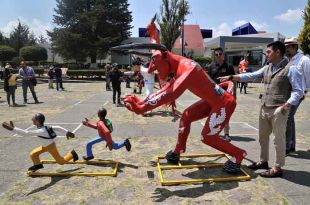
(50,132)
(109,125)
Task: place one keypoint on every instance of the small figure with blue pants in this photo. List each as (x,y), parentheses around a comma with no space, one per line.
(104,127)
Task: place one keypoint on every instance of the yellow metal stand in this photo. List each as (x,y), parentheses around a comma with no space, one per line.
(244,176)
(64,174)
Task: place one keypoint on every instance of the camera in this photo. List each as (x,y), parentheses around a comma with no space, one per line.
(260,96)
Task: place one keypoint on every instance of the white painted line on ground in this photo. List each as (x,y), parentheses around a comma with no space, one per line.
(78,127)
(243,134)
(78,103)
(247,124)
(105,103)
(63,123)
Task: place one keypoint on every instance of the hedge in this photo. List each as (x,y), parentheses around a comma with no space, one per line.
(86,73)
(38,71)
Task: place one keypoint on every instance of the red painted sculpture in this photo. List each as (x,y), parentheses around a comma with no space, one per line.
(216,104)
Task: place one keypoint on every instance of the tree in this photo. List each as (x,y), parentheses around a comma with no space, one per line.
(3,39)
(33,53)
(172,13)
(88,28)
(20,37)
(304,36)
(6,53)
(42,40)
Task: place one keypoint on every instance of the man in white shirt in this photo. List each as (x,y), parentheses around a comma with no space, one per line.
(302,64)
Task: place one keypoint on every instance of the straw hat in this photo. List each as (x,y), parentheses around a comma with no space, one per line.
(291,41)
(8,66)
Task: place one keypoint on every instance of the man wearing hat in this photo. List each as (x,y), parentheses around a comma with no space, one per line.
(302,64)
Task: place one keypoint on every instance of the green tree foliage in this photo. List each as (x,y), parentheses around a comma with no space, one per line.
(6,53)
(304,36)
(172,13)
(3,39)
(33,53)
(20,37)
(88,28)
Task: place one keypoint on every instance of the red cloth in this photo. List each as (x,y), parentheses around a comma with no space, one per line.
(243,66)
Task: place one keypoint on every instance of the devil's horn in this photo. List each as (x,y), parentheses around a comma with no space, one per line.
(133,46)
(153,19)
(139,53)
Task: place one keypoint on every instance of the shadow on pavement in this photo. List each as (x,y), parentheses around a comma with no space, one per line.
(300,154)
(164,113)
(120,166)
(297,177)
(161,194)
(54,180)
(241,139)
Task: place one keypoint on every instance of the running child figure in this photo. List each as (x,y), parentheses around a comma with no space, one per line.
(46,134)
(104,127)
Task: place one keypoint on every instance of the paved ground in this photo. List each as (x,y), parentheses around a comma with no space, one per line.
(137,181)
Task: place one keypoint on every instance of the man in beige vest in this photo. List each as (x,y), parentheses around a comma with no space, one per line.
(282,90)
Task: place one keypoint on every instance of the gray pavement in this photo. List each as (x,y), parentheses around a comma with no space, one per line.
(151,136)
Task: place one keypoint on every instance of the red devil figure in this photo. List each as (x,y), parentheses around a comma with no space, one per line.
(215,104)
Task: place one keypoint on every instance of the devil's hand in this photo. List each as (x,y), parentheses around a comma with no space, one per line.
(132,103)
(131,98)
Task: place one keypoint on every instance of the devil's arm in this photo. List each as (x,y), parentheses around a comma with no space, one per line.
(166,94)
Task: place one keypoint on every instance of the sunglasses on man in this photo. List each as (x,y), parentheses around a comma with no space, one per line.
(218,54)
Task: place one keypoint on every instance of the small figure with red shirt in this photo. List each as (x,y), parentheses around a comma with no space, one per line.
(104,127)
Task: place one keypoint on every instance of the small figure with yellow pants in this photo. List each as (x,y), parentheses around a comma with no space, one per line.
(46,134)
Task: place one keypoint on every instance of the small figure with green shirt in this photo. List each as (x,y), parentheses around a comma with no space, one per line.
(104,127)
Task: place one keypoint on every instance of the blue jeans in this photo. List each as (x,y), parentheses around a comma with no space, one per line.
(290,129)
(96,140)
(25,85)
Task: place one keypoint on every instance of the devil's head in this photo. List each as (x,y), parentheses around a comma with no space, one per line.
(159,56)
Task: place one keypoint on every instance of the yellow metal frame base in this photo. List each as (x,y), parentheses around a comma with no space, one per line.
(65,174)
(163,182)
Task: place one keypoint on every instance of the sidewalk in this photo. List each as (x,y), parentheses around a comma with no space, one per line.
(137,181)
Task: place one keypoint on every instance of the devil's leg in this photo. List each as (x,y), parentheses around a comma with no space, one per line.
(195,112)
(218,118)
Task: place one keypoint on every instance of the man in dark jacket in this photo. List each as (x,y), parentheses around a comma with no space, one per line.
(58,76)
(116,77)
(217,69)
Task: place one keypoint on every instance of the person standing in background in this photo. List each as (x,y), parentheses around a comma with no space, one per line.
(58,76)
(302,64)
(10,84)
(116,77)
(50,74)
(27,74)
(217,69)
(243,66)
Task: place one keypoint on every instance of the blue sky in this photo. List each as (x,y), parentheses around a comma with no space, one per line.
(222,16)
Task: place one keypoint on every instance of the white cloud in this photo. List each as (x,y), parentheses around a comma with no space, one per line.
(36,27)
(222,30)
(291,16)
(257,26)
